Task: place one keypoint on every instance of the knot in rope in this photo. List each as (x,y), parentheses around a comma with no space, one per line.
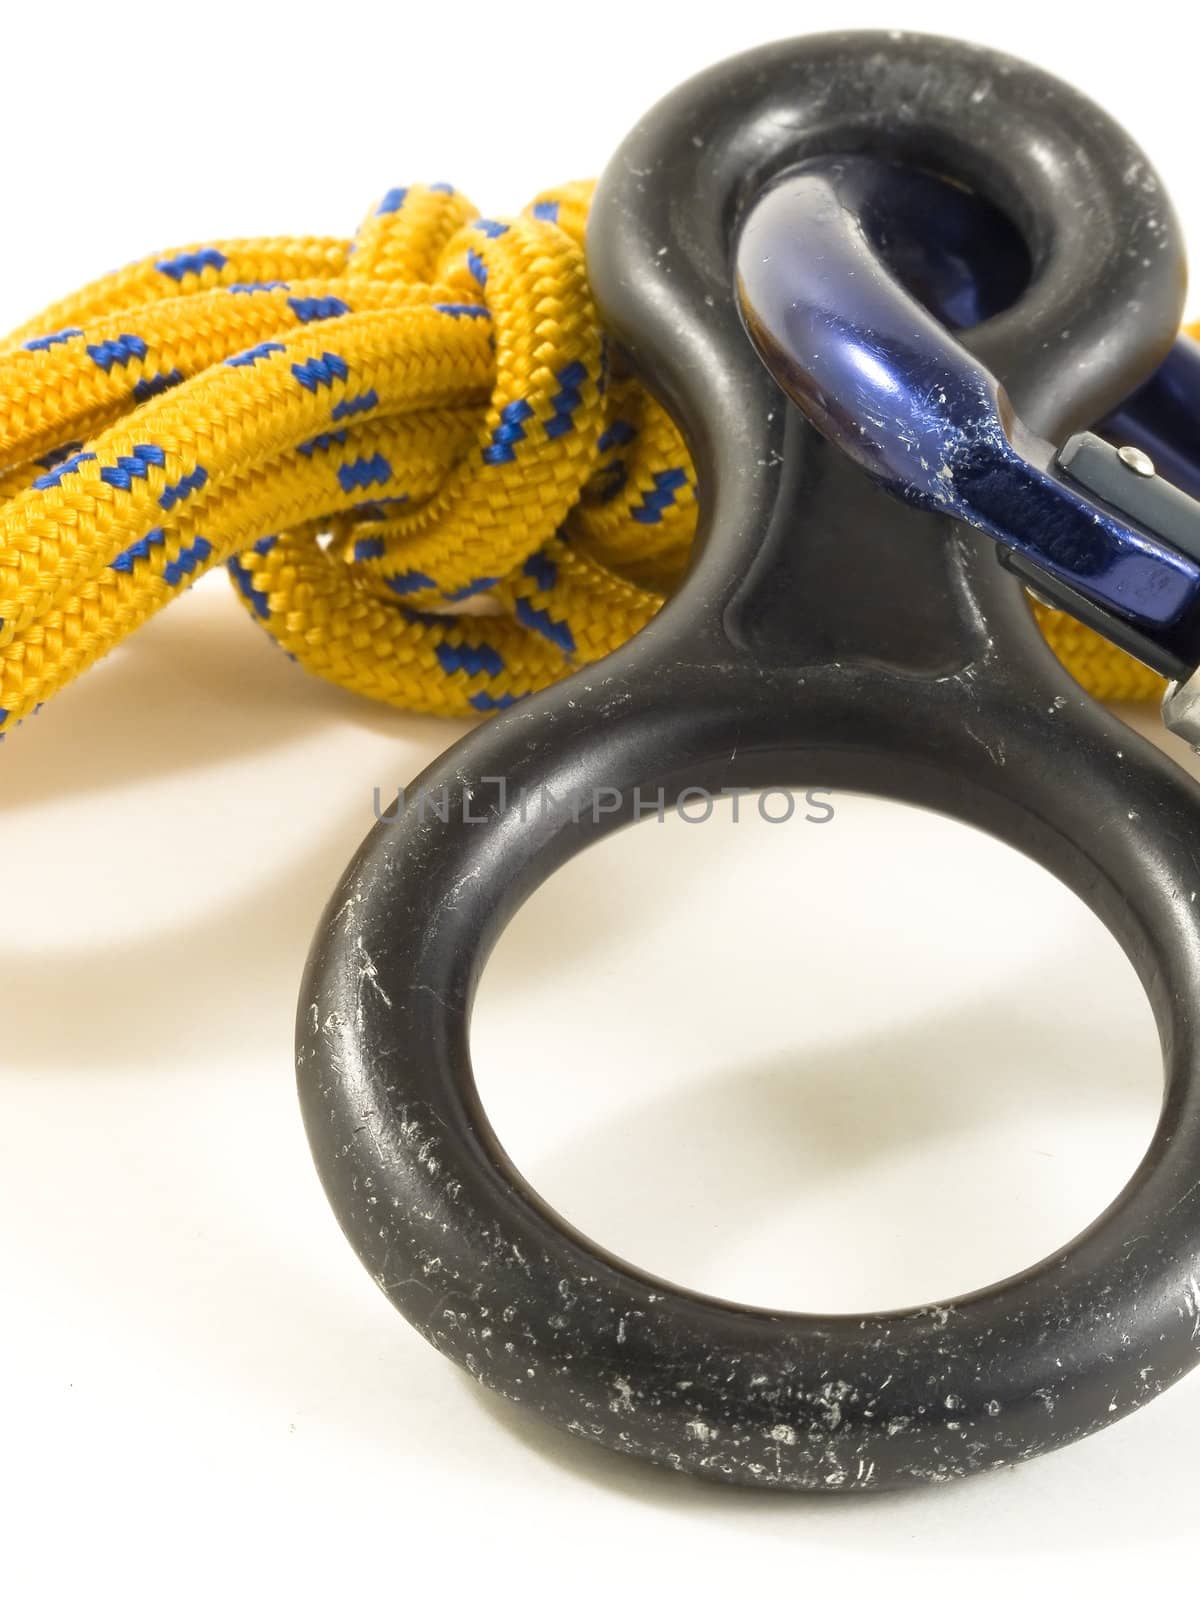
(430,479)
(410,450)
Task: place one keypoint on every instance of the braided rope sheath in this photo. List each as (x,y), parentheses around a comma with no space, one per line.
(410,451)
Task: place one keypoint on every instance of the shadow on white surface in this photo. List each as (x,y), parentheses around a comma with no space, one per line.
(886,1112)
(202,774)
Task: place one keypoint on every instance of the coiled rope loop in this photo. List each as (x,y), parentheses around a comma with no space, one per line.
(428,481)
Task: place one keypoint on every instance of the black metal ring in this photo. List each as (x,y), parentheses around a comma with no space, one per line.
(825,635)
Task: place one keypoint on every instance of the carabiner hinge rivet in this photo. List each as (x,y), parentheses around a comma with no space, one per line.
(1136,460)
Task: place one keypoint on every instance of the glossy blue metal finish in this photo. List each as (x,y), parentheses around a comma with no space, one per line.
(954,251)
(877,374)
(965,261)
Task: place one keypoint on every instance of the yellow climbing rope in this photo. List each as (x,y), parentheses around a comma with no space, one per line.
(427,481)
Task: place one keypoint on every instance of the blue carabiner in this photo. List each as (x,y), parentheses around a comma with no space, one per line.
(1090,526)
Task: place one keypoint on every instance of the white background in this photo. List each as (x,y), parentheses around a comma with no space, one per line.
(828,1068)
